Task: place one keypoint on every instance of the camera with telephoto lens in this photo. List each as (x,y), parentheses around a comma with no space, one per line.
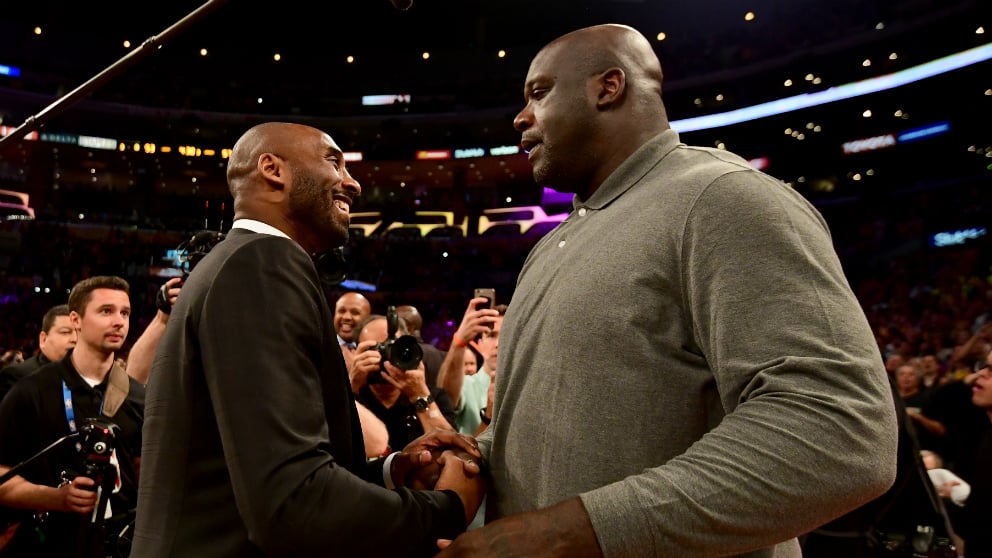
(403,352)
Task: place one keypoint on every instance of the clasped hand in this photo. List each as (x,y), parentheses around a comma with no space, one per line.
(443,460)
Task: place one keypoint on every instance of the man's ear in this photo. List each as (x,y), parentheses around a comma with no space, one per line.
(612,85)
(274,170)
(75,319)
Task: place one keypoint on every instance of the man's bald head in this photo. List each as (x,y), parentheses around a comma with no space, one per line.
(411,317)
(593,50)
(278,138)
(593,98)
(350,310)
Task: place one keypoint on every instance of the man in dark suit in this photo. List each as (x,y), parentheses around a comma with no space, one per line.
(55,339)
(252,440)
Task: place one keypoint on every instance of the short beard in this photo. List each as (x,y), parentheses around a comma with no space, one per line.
(309,206)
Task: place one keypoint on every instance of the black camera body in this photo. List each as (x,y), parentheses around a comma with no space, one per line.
(99,439)
(403,352)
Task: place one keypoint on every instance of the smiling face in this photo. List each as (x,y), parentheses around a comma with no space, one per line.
(349,311)
(322,192)
(293,177)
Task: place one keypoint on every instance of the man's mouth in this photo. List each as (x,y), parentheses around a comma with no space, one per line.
(343,205)
(529,145)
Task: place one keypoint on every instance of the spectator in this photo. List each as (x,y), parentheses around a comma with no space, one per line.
(978,509)
(470,360)
(909,379)
(56,337)
(402,400)
(349,311)
(932,373)
(468,393)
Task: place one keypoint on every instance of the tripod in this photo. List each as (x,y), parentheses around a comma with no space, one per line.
(97,447)
(92,539)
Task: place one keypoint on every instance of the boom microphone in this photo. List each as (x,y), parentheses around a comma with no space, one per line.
(402,5)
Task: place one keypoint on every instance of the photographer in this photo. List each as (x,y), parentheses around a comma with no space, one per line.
(399,398)
(480,329)
(57,499)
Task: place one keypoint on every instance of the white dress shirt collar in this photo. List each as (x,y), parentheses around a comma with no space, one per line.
(258,226)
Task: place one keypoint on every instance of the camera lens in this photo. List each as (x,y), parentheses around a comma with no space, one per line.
(405,353)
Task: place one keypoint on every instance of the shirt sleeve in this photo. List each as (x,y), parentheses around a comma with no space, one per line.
(809,430)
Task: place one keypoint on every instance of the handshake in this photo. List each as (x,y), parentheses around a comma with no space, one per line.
(443,460)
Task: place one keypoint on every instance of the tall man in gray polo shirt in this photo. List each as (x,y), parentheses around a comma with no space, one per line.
(738,400)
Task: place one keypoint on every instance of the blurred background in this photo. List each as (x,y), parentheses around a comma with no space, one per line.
(878,112)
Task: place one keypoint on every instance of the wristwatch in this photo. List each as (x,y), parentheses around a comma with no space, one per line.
(422,403)
(484,417)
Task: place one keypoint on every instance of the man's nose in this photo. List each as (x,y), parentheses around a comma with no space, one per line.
(523,119)
(351,184)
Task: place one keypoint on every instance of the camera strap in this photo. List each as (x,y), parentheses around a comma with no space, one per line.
(117,390)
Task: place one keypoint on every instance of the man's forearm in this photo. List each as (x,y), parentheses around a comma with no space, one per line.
(451,376)
(562,530)
(139,359)
(433,418)
(374,432)
(19,493)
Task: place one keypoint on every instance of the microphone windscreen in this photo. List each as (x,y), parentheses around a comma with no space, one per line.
(402,5)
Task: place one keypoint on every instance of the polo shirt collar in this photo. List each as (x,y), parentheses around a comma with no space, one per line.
(631,171)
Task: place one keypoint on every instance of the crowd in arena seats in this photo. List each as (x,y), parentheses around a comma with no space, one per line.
(920,298)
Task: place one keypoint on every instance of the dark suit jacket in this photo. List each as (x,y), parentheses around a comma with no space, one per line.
(252,444)
(11,373)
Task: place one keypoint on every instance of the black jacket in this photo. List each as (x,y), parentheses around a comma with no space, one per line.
(252,443)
